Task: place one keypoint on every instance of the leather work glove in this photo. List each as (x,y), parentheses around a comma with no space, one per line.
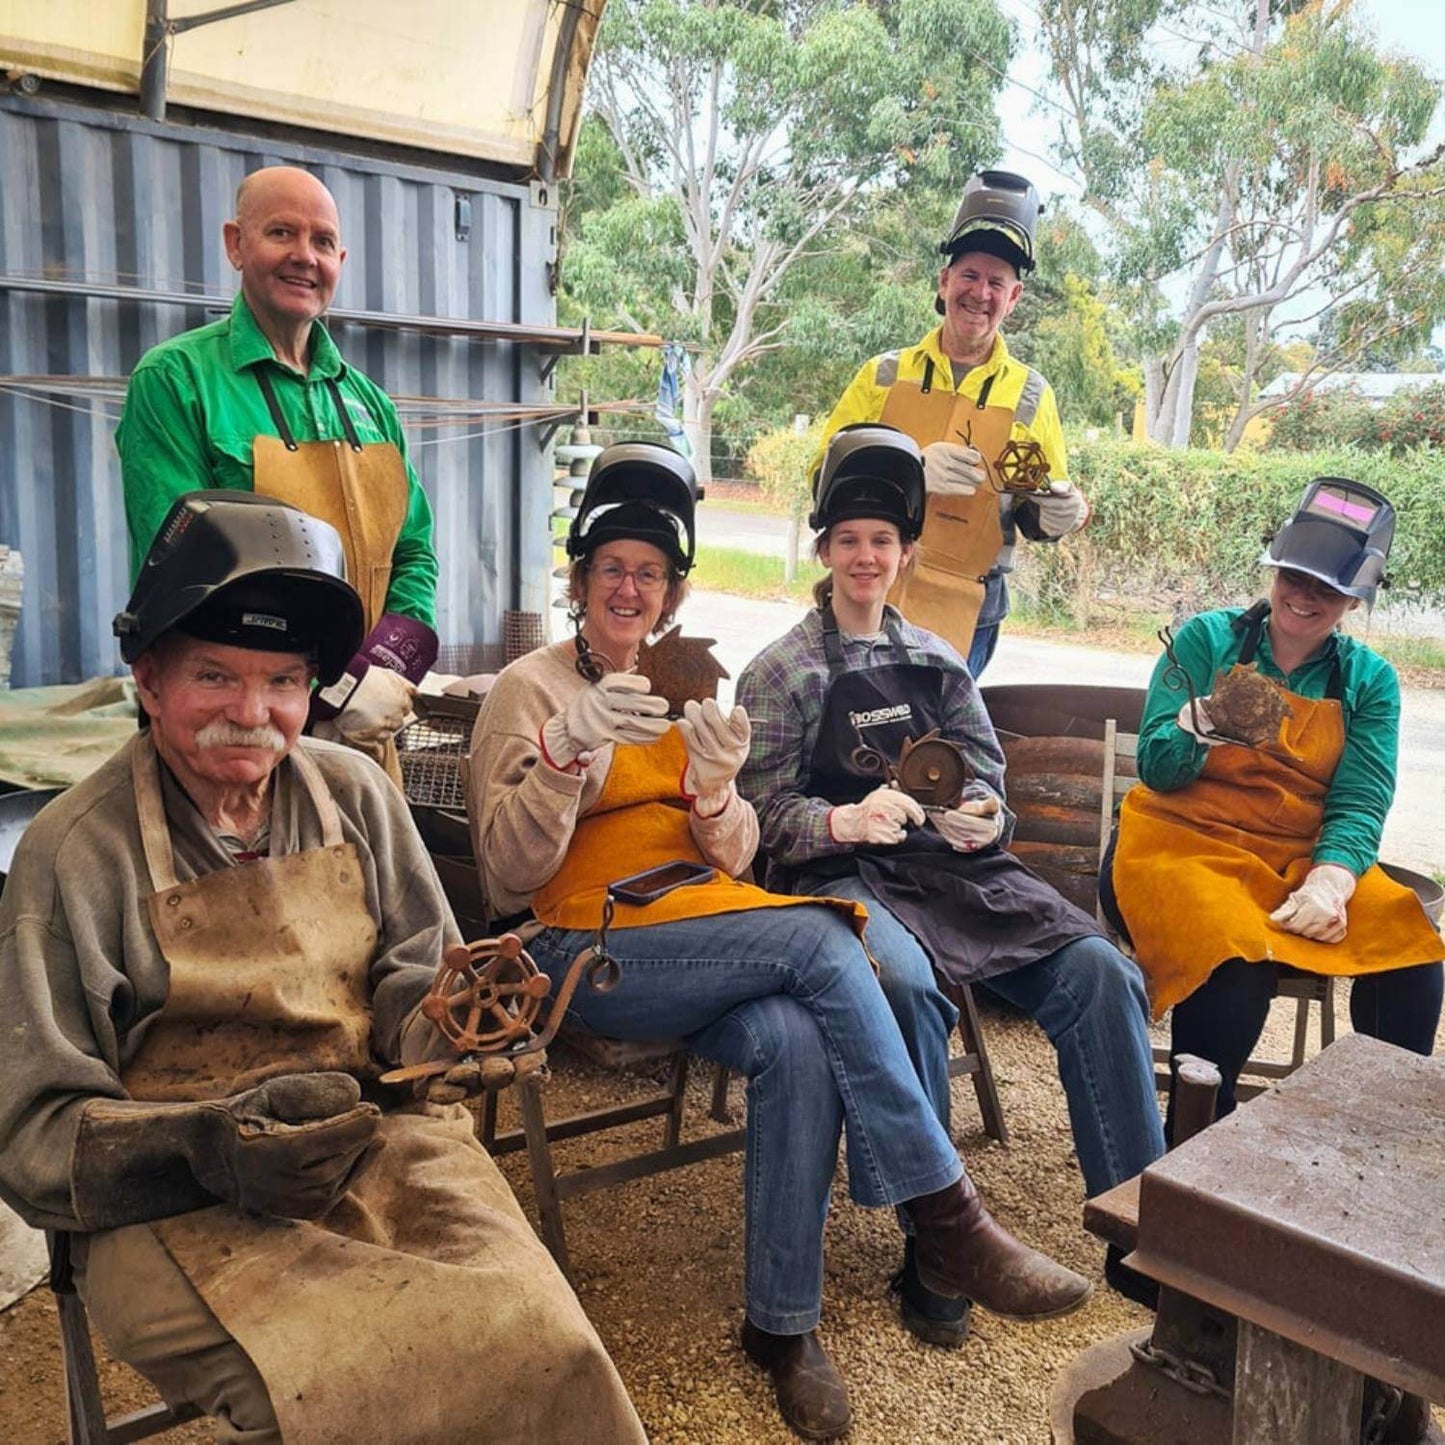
(1204,732)
(1316,909)
(972,825)
(288,1147)
(1062,509)
(952,470)
(717,747)
(377,709)
(881,818)
(619,709)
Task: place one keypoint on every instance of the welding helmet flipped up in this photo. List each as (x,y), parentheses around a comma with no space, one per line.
(644,491)
(249,571)
(1339,533)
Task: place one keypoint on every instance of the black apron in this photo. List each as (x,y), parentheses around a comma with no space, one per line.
(978,914)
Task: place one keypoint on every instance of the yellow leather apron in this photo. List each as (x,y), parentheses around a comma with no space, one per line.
(362,490)
(422,1299)
(943,588)
(1197,871)
(641,821)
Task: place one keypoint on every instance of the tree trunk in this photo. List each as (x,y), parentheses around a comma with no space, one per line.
(697,406)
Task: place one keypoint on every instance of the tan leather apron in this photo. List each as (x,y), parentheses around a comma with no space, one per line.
(422,1307)
(1197,871)
(641,821)
(361,489)
(943,588)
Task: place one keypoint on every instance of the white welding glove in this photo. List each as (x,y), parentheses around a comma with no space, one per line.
(1316,909)
(880,818)
(717,747)
(972,825)
(377,709)
(951,470)
(1062,509)
(1203,731)
(619,709)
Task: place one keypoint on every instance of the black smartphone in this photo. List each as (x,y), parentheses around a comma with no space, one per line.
(651,885)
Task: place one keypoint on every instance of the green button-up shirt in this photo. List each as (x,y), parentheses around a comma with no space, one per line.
(1363,787)
(193,408)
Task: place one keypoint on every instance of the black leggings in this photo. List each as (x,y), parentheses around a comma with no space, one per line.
(1222,1019)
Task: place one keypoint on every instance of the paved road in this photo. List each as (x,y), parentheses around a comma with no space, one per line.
(1414,832)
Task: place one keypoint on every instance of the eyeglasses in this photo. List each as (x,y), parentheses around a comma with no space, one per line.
(647,578)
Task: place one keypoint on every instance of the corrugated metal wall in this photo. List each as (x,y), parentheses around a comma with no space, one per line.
(88,195)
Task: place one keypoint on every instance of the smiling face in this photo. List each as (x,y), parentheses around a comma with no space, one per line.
(222,717)
(864,557)
(977,291)
(1303,612)
(627,588)
(286,243)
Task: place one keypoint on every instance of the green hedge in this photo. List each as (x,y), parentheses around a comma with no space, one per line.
(1189,525)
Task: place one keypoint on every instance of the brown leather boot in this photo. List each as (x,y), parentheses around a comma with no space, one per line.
(962,1251)
(811,1394)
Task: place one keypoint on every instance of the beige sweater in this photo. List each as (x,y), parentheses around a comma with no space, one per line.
(523,810)
(80,972)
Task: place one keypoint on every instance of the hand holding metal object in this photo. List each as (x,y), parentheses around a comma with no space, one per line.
(1176,676)
(933,770)
(487,995)
(1020,467)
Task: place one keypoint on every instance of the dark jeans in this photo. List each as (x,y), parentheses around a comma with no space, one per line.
(1222,1019)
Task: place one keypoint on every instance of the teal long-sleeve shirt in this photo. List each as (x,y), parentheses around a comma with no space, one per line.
(1363,787)
(193,408)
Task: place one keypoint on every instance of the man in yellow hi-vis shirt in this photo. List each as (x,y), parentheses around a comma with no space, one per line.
(961,396)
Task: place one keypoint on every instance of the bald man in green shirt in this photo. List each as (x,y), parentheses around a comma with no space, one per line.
(263,401)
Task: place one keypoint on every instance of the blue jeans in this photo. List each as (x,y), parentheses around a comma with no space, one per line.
(1086,996)
(786,997)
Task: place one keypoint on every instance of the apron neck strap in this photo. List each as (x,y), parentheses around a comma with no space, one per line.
(1251,625)
(155,832)
(278,417)
(833,643)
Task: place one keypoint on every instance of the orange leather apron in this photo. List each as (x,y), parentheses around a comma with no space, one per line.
(1197,871)
(943,588)
(361,489)
(641,821)
(360,1317)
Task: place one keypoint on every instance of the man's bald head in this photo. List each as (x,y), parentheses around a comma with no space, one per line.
(272,185)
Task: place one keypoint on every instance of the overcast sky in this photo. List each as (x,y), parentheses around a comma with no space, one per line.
(1400,25)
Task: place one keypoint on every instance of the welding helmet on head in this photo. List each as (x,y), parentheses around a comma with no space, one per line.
(1340,533)
(248,571)
(643,491)
(997,215)
(870,471)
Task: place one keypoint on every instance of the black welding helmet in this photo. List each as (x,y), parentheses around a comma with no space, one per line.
(997,215)
(642,491)
(246,570)
(870,471)
(1340,533)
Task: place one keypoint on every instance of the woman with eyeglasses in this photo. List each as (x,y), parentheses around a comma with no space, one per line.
(579,778)
(1252,837)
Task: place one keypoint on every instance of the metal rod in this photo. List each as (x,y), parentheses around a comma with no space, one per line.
(552,338)
(153,61)
(226,12)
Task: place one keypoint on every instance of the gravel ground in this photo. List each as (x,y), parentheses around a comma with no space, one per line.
(659,1270)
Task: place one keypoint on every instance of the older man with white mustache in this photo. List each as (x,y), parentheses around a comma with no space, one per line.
(209,951)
